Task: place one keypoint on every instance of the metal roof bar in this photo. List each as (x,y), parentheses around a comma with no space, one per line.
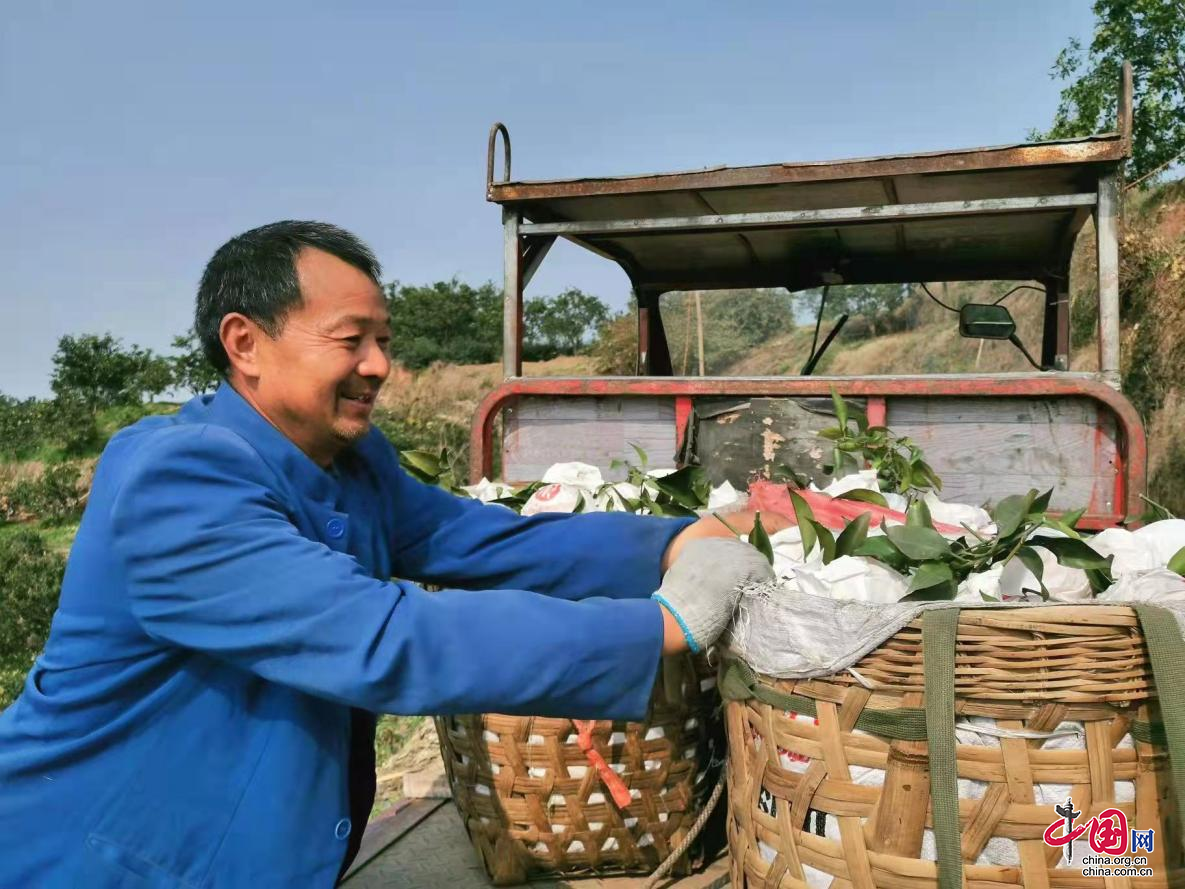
(807,218)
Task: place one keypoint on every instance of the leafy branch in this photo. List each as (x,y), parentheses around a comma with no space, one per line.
(936,566)
(898,461)
(680,493)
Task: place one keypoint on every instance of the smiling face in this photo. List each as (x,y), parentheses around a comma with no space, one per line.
(316,381)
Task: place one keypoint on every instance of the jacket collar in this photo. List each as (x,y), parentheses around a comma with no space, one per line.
(226,407)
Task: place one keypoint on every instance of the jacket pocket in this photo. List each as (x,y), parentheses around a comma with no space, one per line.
(111,866)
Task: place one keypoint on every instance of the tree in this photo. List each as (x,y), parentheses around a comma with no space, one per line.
(875,302)
(155,375)
(562,324)
(100,372)
(734,321)
(757,315)
(445,321)
(1151,35)
(191,369)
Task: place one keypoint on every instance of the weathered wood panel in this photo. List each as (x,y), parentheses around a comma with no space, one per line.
(983,449)
(542,431)
(736,439)
(987,448)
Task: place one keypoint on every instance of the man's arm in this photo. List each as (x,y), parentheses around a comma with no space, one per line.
(453,541)
(445,539)
(214,564)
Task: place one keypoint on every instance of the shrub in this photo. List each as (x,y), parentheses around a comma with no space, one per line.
(56,496)
(30,581)
(38,429)
(408,431)
(23,427)
(615,351)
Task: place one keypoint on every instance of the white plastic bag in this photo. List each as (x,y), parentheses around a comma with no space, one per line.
(1165,539)
(853,579)
(957,514)
(486,490)
(554,498)
(578,475)
(1131,553)
(616,495)
(723,496)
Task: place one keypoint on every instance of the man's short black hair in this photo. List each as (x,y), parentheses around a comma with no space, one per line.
(254,274)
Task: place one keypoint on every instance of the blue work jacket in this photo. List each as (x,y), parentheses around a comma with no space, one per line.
(227,613)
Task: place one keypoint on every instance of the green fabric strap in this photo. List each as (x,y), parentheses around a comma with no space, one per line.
(1149,732)
(936,723)
(1162,635)
(939,628)
(738,682)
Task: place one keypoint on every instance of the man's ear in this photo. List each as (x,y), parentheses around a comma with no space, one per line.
(241,339)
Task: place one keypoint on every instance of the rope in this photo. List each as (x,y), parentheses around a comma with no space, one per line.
(679,850)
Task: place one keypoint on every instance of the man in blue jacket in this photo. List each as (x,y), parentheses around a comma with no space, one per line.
(202,715)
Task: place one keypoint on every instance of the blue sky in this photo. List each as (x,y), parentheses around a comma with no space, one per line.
(138,138)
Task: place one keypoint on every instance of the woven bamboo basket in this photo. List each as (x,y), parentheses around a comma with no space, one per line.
(534,805)
(860,779)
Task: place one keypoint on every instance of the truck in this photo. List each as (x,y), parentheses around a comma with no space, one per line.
(1009,213)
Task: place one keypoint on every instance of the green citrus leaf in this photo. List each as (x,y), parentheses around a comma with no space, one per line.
(424,465)
(864,496)
(826,541)
(1031,559)
(1011,511)
(841,409)
(852,536)
(918,515)
(686,487)
(919,544)
(759,539)
(1058,525)
(1072,553)
(803,516)
(1177,562)
(930,574)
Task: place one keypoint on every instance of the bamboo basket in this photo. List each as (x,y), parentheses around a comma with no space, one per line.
(534,805)
(805,807)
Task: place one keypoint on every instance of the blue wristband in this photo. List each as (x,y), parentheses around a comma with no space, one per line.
(691,643)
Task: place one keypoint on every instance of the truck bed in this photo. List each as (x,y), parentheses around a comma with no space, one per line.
(422,845)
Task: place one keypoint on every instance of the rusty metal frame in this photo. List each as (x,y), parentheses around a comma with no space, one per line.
(810,218)
(1132,443)
(527,241)
(1108,148)
(1106,220)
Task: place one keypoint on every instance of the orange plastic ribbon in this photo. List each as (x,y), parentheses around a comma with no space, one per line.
(610,778)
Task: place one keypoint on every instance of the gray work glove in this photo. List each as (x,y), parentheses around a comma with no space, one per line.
(702,588)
